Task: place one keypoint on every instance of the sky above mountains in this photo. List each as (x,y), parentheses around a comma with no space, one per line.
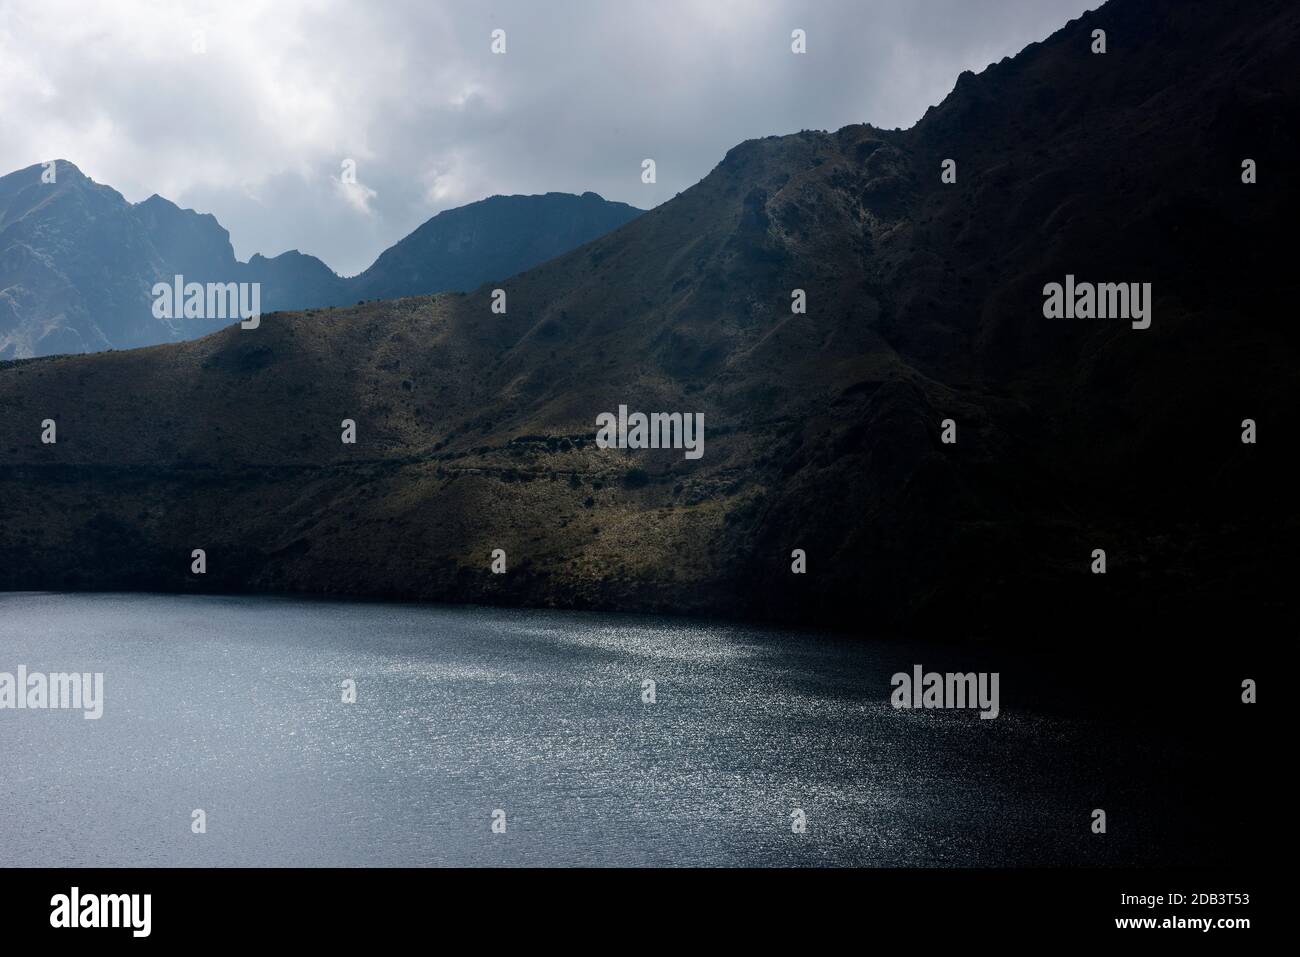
(250,111)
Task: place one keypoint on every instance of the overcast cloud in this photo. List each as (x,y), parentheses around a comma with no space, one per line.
(255,129)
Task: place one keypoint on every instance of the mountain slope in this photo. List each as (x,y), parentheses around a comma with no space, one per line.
(78,262)
(492,239)
(475,430)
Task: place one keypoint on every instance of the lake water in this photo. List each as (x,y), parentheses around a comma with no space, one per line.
(233,705)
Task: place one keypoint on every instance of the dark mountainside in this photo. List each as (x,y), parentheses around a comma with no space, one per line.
(494,238)
(475,431)
(78,262)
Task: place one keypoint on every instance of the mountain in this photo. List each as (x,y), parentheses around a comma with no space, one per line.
(823,430)
(78,262)
(494,238)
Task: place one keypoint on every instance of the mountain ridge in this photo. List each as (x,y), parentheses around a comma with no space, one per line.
(77,261)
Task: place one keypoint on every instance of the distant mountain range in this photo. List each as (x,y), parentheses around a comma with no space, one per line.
(825,429)
(78,262)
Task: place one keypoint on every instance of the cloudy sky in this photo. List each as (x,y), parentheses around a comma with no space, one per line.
(248,109)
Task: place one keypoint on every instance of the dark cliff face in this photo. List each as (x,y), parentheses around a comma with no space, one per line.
(78,262)
(822,429)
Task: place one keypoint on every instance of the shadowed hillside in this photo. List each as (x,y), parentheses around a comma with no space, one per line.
(475,430)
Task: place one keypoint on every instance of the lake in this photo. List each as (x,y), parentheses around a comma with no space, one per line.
(233,705)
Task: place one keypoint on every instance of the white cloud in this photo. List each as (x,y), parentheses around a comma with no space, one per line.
(357,195)
(254,129)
